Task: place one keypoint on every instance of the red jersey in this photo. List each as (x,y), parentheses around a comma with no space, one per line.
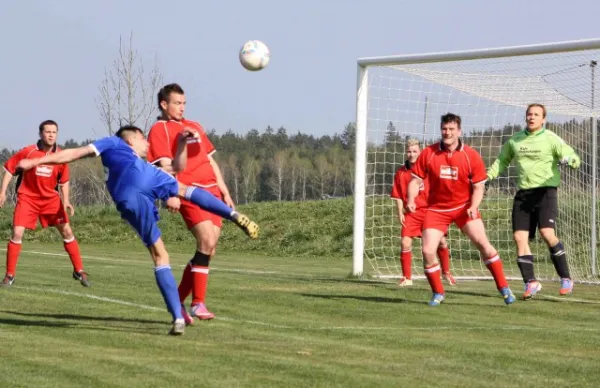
(40,182)
(163,145)
(451,174)
(400,188)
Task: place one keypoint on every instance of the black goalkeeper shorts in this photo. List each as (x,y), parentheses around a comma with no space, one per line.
(535,208)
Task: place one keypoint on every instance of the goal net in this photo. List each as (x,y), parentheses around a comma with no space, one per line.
(403,97)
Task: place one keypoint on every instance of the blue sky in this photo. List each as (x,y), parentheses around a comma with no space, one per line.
(55,53)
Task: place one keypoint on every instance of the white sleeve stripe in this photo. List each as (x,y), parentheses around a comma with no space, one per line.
(416,176)
(8,172)
(159,159)
(212,152)
(95,149)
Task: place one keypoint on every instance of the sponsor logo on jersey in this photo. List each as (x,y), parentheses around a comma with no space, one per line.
(448,172)
(45,171)
(526,151)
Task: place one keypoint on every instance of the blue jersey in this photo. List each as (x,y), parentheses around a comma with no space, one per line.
(128,175)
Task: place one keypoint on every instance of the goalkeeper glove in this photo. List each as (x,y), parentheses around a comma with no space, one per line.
(571,161)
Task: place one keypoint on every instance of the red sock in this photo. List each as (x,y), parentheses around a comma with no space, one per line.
(444,256)
(405,263)
(433,277)
(185,285)
(72,248)
(200,280)
(12,256)
(494,264)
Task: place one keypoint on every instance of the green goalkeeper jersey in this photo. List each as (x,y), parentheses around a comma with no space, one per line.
(537,156)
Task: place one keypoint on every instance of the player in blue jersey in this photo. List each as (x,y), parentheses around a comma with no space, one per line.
(135,185)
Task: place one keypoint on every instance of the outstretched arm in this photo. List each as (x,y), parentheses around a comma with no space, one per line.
(61,157)
(565,153)
(503,160)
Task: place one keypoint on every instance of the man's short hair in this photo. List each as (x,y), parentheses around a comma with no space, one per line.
(412,142)
(47,122)
(127,130)
(451,118)
(165,92)
(536,105)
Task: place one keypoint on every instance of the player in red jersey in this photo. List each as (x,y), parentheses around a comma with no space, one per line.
(202,171)
(456,175)
(413,222)
(38,199)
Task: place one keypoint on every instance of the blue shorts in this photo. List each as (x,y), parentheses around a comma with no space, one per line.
(141,213)
(137,203)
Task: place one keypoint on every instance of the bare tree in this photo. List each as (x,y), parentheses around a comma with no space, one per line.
(127,92)
(294,162)
(322,174)
(349,173)
(334,156)
(278,166)
(250,171)
(234,177)
(127,96)
(305,171)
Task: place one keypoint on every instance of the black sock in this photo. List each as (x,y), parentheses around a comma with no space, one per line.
(559,258)
(200,259)
(526,267)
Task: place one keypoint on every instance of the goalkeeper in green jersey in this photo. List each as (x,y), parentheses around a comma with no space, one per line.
(537,153)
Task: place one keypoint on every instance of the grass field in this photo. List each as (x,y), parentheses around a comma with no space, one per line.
(282,322)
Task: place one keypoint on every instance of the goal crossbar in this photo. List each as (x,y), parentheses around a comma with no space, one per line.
(499,52)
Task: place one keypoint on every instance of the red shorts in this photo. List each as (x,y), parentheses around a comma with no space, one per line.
(193,214)
(441,220)
(413,223)
(50,212)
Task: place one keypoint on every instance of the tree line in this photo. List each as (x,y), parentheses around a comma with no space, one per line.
(274,165)
(268,166)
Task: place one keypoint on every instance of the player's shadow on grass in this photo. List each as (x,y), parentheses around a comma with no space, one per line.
(337,280)
(376,299)
(86,318)
(23,322)
(400,300)
(49,322)
(457,291)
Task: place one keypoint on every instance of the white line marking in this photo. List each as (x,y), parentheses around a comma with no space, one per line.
(95,297)
(86,257)
(319,328)
(83,256)
(142,306)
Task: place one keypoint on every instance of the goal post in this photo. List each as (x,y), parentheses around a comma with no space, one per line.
(402,97)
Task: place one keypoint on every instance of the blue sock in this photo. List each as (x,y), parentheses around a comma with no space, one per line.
(208,202)
(168,288)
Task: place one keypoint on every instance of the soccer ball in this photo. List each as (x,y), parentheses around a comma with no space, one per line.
(254,55)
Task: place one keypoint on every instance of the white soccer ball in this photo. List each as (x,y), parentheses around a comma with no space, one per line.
(254,55)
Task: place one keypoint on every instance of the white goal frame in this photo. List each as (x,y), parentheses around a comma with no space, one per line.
(362,109)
